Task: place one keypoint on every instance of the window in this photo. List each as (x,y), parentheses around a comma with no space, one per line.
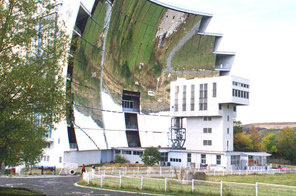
(214,89)
(164,156)
(227,118)
(235,159)
(227,144)
(137,152)
(203,158)
(192,100)
(203,94)
(184,99)
(220,106)
(218,160)
(59,141)
(189,157)
(207,142)
(207,130)
(234,108)
(227,130)
(60,159)
(126,152)
(47,158)
(117,151)
(207,118)
(175,160)
(176,98)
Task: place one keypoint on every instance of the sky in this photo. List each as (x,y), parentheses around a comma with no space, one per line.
(262,33)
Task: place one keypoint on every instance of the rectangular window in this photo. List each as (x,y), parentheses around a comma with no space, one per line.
(176,98)
(117,151)
(207,130)
(184,99)
(227,118)
(60,159)
(189,157)
(203,94)
(192,100)
(235,159)
(218,160)
(203,158)
(220,106)
(137,152)
(47,158)
(126,152)
(234,108)
(207,142)
(214,89)
(207,118)
(227,130)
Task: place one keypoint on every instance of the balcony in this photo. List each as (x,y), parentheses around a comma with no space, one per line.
(223,67)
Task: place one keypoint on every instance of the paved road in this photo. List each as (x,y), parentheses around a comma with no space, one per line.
(60,185)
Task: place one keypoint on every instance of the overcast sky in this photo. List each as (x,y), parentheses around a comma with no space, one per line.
(262,33)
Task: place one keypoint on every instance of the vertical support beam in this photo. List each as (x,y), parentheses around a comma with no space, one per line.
(142,183)
(192,186)
(120,181)
(256,188)
(221,191)
(101,180)
(165,184)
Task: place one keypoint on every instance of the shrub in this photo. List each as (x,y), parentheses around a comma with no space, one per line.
(120,159)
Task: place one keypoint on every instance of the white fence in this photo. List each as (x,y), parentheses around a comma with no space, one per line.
(171,171)
(188,186)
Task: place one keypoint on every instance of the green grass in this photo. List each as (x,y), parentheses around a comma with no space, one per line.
(245,185)
(17,191)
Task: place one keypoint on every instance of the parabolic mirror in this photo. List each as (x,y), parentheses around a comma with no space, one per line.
(135,49)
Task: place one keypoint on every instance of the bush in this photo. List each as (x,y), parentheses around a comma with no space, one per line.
(120,159)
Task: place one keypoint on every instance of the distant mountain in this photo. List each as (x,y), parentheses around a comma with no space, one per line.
(265,128)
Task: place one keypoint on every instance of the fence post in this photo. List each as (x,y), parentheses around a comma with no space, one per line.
(256,188)
(138,170)
(120,182)
(165,184)
(147,172)
(88,178)
(192,185)
(104,173)
(142,183)
(99,171)
(101,180)
(160,172)
(221,192)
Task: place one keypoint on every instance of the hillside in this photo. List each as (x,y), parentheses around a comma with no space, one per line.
(270,125)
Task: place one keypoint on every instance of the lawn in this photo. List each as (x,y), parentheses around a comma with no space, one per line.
(232,185)
(17,191)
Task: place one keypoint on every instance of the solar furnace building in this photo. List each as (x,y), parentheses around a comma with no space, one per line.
(123,58)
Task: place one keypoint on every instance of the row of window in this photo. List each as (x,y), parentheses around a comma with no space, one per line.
(46,158)
(239,93)
(203,94)
(175,160)
(209,130)
(240,84)
(129,152)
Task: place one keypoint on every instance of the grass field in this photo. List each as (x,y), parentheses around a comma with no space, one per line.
(282,184)
(16,191)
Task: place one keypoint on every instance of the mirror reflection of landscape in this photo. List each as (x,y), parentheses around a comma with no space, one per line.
(137,46)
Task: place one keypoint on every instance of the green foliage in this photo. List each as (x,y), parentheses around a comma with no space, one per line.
(242,142)
(237,127)
(286,143)
(151,156)
(268,143)
(120,159)
(255,137)
(32,94)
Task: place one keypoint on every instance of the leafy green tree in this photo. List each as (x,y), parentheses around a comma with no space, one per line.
(151,156)
(242,142)
(255,137)
(286,143)
(32,98)
(120,159)
(268,143)
(237,127)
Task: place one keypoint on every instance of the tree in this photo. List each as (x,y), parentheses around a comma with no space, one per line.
(286,143)
(237,127)
(268,143)
(120,159)
(151,156)
(255,137)
(242,142)
(32,98)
